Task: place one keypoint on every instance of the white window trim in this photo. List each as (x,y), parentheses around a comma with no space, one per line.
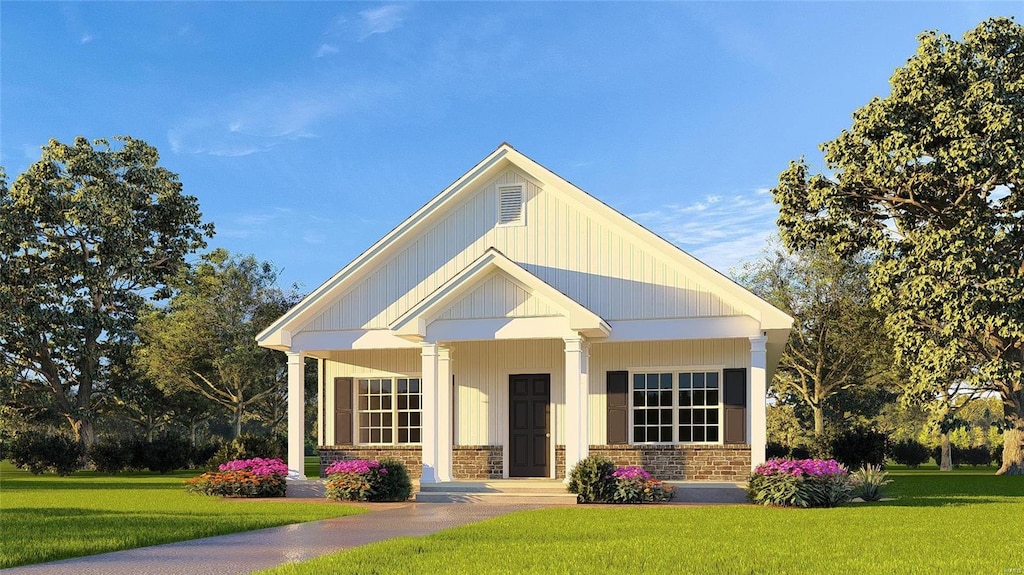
(355,404)
(522,204)
(675,371)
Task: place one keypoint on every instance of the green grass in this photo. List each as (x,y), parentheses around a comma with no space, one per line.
(968,521)
(43,518)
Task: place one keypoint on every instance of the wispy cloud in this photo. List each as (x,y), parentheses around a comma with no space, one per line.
(326,50)
(381,20)
(721,230)
(86,38)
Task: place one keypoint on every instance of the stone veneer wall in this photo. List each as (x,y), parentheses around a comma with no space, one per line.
(476,462)
(675,462)
(410,455)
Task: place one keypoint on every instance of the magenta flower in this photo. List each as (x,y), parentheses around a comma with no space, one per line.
(801,467)
(257,466)
(631,472)
(359,466)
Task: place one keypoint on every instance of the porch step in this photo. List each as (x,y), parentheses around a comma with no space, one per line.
(506,491)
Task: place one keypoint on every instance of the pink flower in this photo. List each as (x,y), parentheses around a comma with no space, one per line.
(257,466)
(359,466)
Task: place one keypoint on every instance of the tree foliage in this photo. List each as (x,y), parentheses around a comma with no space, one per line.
(204,340)
(835,347)
(928,179)
(85,232)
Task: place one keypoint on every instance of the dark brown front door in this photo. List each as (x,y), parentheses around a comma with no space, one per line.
(529,425)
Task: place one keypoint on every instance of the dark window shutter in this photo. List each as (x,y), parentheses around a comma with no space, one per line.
(343,411)
(735,400)
(617,394)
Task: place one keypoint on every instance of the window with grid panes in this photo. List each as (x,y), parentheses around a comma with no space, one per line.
(676,407)
(390,410)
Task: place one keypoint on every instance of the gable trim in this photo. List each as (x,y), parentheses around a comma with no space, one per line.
(413,323)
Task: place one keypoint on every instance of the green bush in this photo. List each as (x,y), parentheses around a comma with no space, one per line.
(41,452)
(200,455)
(162,455)
(776,451)
(248,446)
(910,452)
(112,455)
(975,456)
(394,485)
(854,447)
(868,482)
(591,479)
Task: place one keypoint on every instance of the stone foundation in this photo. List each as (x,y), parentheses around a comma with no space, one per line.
(476,462)
(675,462)
(410,455)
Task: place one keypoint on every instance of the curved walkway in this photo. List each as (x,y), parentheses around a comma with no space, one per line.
(265,548)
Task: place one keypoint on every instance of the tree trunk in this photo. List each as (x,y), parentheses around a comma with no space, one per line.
(947,457)
(1013,435)
(819,420)
(238,420)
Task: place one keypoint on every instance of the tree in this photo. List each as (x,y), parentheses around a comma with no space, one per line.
(204,340)
(85,232)
(929,179)
(834,346)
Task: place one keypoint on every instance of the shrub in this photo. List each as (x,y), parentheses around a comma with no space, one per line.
(800,483)
(590,479)
(910,452)
(853,447)
(367,480)
(200,455)
(247,446)
(163,454)
(255,477)
(776,451)
(633,484)
(997,455)
(868,482)
(112,455)
(975,456)
(39,452)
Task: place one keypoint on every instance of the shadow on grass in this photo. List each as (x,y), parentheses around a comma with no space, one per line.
(39,484)
(935,489)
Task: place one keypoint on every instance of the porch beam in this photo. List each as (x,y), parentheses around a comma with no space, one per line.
(577,402)
(296,415)
(757,392)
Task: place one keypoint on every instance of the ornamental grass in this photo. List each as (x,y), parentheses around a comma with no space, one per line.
(256,477)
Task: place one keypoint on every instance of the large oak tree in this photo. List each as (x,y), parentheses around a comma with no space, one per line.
(929,180)
(86,234)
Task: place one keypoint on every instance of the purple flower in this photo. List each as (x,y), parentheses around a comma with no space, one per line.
(257,466)
(801,467)
(631,472)
(359,466)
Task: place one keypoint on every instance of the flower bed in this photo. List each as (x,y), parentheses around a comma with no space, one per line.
(257,477)
(368,480)
(597,480)
(800,483)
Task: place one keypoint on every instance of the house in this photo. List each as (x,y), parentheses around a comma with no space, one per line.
(515,324)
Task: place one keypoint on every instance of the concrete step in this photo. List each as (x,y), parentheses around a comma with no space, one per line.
(520,486)
(562,498)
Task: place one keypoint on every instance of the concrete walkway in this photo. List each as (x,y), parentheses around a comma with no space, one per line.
(265,548)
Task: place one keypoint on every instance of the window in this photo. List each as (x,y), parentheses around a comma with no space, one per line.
(679,407)
(510,205)
(390,410)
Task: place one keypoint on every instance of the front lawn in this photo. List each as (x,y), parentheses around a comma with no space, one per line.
(967,521)
(45,517)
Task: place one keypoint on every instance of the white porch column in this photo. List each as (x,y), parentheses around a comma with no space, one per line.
(444,414)
(577,402)
(757,394)
(296,416)
(437,414)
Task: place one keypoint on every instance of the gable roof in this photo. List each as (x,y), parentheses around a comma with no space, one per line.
(413,323)
(278,334)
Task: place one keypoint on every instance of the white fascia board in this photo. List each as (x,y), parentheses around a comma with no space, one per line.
(739,326)
(319,298)
(415,322)
(350,339)
(499,328)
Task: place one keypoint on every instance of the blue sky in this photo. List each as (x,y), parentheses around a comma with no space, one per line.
(309,130)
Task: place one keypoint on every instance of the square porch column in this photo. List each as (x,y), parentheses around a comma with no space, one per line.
(757,394)
(577,402)
(296,416)
(437,415)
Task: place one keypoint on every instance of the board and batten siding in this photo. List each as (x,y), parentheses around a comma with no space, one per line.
(482,371)
(614,274)
(497,297)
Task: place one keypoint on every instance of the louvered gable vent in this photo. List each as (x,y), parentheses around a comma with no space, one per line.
(510,205)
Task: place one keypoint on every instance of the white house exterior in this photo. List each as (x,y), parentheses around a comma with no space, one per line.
(514,324)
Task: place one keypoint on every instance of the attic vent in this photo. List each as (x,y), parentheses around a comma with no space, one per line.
(510,205)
